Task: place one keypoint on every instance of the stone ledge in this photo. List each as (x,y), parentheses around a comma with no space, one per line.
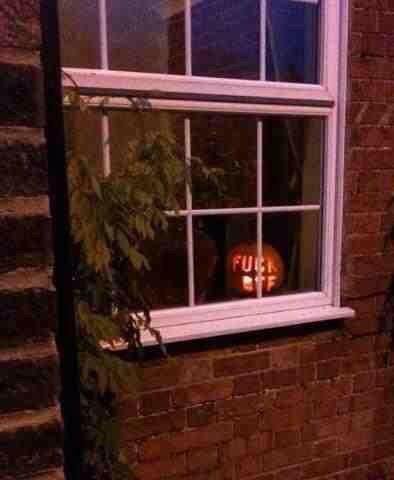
(29,135)
(26,279)
(30,443)
(29,377)
(34,351)
(25,206)
(57,474)
(23,164)
(28,420)
(16,56)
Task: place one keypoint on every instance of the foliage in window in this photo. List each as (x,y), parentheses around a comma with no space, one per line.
(115,221)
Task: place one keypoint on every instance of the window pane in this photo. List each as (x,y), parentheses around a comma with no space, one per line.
(228,143)
(79,33)
(295,237)
(225,38)
(83,136)
(167,254)
(293,40)
(146,36)
(128,128)
(292,160)
(215,238)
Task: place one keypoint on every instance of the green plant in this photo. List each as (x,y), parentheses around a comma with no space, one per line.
(115,219)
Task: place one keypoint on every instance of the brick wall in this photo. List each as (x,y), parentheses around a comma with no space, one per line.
(30,429)
(300,404)
(307,403)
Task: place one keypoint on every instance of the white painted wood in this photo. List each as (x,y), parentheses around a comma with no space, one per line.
(340,153)
(239,308)
(245,210)
(189,219)
(188,36)
(120,103)
(184,87)
(105,141)
(103,34)
(263,39)
(259,205)
(199,330)
(195,331)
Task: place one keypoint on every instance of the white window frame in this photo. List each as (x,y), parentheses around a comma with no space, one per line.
(175,92)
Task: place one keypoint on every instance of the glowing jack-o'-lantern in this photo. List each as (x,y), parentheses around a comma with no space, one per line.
(242,269)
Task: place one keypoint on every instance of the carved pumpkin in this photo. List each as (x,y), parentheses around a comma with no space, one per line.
(242,269)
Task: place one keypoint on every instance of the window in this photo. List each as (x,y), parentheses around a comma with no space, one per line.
(256,87)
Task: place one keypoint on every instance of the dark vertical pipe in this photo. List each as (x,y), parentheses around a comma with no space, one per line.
(59,205)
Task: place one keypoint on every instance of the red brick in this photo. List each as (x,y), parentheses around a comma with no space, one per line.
(155,470)
(195,371)
(246,426)
(201,415)
(204,392)
(279,378)
(364,21)
(287,438)
(362,420)
(308,353)
(163,376)
(249,466)
(240,406)
(155,402)
(366,400)
(328,369)
(146,426)
(247,384)
(260,442)
(285,357)
(374,44)
(325,408)
(358,364)
(365,324)
(236,365)
(183,441)
(236,448)
(355,44)
(286,419)
(325,448)
(386,23)
(286,457)
(324,466)
(289,397)
(202,460)
(364,381)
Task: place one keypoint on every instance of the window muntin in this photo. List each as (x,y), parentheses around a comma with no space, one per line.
(187,93)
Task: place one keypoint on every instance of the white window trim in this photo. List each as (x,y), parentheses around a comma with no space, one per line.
(173,92)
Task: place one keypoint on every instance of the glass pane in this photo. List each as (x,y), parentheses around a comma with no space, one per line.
(292,160)
(293,40)
(79,33)
(292,243)
(167,254)
(83,136)
(228,143)
(127,127)
(225,38)
(216,239)
(146,36)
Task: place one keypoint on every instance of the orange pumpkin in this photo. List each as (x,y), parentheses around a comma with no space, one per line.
(242,269)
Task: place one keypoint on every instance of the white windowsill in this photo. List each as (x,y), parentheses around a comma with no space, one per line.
(230,326)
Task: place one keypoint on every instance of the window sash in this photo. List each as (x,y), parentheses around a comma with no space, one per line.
(152,85)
